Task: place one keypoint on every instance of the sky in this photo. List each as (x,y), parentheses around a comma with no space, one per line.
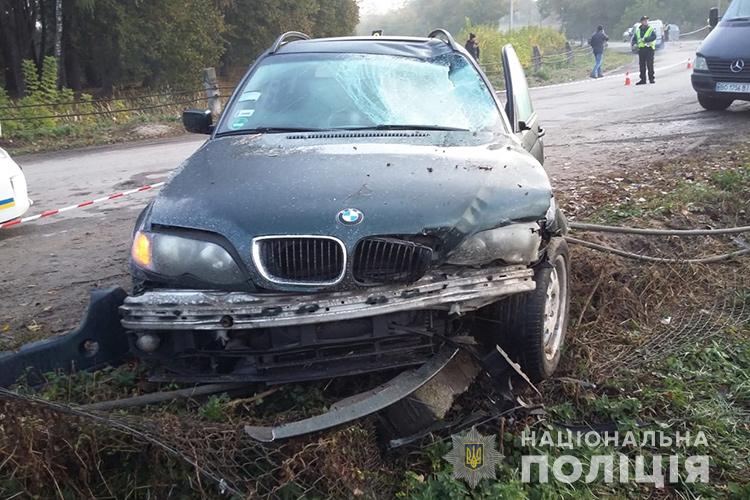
(378,6)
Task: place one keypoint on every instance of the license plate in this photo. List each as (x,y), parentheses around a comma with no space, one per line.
(734,88)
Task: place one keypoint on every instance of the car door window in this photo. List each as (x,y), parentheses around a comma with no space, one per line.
(521,106)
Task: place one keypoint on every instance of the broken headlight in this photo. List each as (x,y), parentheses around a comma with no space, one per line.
(175,256)
(513,244)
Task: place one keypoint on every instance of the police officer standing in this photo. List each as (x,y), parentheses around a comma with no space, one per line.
(644,37)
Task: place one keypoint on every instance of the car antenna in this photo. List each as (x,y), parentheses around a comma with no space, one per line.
(445,35)
(288,37)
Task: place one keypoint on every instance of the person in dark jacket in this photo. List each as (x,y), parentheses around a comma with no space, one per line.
(597,42)
(644,38)
(472,46)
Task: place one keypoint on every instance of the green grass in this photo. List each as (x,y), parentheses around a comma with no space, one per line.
(563,72)
(715,192)
(706,390)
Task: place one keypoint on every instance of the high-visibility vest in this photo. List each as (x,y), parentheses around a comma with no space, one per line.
(640,37)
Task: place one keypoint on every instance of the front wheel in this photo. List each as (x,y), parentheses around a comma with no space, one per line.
(712,103)
(532,326)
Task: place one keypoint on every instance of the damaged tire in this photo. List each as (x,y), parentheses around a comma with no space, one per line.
(533,325)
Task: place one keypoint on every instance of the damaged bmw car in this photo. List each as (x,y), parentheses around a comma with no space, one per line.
(361,204)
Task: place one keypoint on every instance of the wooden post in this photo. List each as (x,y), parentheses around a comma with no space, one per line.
(536,58)
(569,51)
(211,84)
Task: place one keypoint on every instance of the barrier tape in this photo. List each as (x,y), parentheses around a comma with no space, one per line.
(50,213)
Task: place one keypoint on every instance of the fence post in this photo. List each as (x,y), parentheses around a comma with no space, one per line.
(569,51)
(210,83)
(536,58)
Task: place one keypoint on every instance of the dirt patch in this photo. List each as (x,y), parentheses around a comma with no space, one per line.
(154,130)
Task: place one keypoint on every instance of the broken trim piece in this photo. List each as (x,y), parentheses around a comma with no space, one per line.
(359,405)
(210,310)
(99,340)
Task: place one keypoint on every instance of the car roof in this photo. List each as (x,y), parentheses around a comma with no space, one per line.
(423,48)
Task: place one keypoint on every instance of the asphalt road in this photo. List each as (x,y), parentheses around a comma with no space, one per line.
(49,266)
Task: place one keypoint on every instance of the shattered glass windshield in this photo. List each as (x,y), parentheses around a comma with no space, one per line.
(359,91)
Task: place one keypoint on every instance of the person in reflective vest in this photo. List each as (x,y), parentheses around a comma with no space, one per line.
(644,37)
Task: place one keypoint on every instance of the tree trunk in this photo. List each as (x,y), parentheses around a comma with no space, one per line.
(71,61)
(12,51)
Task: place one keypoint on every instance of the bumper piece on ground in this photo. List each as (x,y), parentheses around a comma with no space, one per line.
(359,405)
(98,341)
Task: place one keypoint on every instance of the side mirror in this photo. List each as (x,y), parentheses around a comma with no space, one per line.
(713,17)
(198,121)
(523,126)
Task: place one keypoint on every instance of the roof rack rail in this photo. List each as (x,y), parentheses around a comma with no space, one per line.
(445,35)
(288,37)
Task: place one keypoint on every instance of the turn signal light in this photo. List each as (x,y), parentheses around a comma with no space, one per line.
(141,251)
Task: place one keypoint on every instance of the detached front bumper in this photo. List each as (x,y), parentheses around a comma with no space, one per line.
(208,336)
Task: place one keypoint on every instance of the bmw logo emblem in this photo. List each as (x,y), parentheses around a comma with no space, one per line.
(350,216)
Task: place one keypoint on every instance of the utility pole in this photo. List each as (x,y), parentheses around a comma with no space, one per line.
(511,15)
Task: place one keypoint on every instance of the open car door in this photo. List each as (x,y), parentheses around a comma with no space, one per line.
(519,108)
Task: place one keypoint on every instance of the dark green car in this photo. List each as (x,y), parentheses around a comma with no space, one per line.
(360,203)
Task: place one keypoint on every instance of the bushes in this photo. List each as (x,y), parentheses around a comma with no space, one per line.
(42,99)
(491,42)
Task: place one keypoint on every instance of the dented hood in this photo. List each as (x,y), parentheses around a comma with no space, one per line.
(247,186)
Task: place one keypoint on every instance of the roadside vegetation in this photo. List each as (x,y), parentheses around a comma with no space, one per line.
(651,347)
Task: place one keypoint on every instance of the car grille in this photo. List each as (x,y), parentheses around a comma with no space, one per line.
(390,260)
(720,69)
(305,260)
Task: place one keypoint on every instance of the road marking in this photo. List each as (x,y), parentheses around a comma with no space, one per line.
(591,80)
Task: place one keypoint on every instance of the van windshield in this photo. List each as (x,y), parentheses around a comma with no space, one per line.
(739,9)
(359,91)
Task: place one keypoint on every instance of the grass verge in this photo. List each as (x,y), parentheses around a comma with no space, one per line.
(651,348)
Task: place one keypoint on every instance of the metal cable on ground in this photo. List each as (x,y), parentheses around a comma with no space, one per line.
(596,228)
(629,255)
(92,113)
(96,101)
(696,31)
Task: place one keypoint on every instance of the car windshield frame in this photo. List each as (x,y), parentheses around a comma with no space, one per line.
(499,122)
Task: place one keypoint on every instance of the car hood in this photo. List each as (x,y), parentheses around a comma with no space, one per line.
(243,187)
(729,40)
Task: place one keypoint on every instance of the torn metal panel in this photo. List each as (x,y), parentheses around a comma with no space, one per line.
(210,310)
(99,340)
(360,405)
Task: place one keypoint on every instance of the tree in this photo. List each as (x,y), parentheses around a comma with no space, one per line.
(419,17)
(255,24)
(580,17)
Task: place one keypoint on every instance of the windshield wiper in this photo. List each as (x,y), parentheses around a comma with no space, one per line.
(269,130)
(408,127)
(738,19)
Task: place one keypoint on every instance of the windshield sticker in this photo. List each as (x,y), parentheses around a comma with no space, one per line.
(249,96)
(238,123)
(245,112)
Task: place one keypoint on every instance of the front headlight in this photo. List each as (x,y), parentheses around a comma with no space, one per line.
(700,64)
(175,256)
(513,244)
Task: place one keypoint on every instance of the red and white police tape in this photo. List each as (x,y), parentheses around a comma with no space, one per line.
(50,213)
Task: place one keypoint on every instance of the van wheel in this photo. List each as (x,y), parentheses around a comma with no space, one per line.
(533,325)
(714,103)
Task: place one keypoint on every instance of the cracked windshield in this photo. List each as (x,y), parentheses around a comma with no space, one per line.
(358,91)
